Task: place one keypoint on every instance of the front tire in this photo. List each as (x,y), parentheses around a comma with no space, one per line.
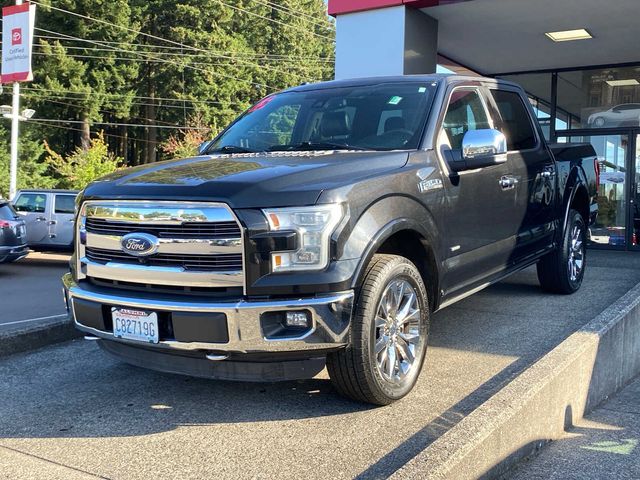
(562,271)
(388,337)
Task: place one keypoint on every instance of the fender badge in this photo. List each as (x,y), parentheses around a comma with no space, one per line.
(428,185)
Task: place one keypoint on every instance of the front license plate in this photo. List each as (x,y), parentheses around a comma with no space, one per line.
(135,325)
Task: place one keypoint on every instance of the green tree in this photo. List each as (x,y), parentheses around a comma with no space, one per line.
(83,166)
(32,170)
(234,53)
(71,63)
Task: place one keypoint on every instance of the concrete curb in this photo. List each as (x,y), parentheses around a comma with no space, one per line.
(537,407)
(36,336)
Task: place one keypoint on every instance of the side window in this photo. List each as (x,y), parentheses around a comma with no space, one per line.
(31,202)
(514,120)
(65,204)
(465,112)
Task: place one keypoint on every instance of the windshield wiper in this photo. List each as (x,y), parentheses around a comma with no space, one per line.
(231,149)
(316,146)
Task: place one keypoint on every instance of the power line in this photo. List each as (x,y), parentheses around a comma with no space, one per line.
(157,105)
(71,92)
(153,55)
(179,51)
(49,125)
(106,112)
(295,13)
(131,30)
(244,10)
(113,124)
(149,56)
(43,54)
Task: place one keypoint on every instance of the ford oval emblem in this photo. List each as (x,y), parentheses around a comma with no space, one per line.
(139,244)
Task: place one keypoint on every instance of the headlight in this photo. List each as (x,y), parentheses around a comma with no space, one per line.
(314,226)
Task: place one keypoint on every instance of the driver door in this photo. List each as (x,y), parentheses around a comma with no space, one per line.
(32,207)
(479,223)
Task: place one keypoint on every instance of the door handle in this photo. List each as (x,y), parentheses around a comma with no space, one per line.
(507,182)
(53,222)
(548,171)
(41,219)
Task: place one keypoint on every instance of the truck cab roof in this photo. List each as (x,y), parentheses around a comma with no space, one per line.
(447,78)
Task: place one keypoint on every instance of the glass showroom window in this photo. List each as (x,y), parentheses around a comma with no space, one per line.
(603,98)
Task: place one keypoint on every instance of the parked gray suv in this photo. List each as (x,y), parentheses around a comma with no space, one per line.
(13,245)
(48,215)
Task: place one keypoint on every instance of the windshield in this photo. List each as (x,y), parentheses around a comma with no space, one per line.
(388,116)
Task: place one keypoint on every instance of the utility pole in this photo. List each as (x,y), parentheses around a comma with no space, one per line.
(15,125)
(18,24)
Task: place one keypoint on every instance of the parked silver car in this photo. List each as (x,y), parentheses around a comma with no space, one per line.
(48,215)
(13,237)
(626,115)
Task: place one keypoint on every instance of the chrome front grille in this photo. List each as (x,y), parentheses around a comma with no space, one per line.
(202,263)
(199,245)
(202,230)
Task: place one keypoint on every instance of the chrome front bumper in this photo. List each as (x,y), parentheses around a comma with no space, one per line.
(331,316)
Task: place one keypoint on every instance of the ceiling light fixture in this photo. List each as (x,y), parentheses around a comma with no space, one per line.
(623,83)
(569,35)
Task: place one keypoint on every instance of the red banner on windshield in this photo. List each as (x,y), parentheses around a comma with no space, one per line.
(262,103)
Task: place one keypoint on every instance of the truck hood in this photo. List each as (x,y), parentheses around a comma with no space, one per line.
(246,180)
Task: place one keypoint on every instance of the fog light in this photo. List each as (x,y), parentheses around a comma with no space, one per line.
(298,319)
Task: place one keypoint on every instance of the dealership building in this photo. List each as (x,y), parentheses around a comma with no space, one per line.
(577,59)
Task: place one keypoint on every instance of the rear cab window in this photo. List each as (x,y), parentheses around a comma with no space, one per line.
(31,203)
(514,120)
(65,204)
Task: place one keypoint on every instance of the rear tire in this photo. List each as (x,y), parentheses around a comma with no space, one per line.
(388,336)
(562,271)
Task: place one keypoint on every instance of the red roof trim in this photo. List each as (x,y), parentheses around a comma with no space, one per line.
(339,7)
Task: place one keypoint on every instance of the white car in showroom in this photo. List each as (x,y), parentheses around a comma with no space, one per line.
(627,114)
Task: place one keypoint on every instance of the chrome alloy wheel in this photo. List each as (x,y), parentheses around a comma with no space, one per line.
(576,253)
(397,331)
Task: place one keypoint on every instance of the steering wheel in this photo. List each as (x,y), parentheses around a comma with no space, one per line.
(408,134)
(384,139)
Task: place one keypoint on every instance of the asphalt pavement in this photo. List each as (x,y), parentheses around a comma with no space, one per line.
(603,445)
(70,411)
(31,292)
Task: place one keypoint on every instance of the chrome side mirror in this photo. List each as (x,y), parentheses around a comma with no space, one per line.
(480,148)
(483,143)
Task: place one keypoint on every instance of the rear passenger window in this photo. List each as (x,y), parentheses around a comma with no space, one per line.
(65,204)
(31,202)
(515,122)
(465,112)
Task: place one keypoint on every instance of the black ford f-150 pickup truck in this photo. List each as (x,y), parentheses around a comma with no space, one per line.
(326,225)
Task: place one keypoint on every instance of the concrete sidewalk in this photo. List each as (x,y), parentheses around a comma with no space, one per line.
(604,445)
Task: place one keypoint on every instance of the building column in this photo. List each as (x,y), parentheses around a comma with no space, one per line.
(388,41)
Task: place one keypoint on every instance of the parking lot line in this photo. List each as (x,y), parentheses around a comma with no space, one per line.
(51,317)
